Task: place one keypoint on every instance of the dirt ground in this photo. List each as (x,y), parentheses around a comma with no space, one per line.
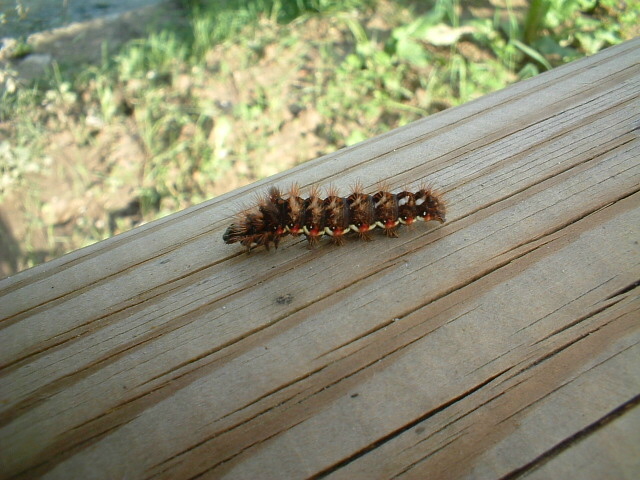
(38,219)
(73,193)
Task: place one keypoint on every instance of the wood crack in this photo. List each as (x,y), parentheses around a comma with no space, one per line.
(577,437)
(395,433)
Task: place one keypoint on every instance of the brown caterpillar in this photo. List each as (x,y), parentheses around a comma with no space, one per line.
(277,216)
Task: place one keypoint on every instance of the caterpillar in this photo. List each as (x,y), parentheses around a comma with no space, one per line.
(278,215)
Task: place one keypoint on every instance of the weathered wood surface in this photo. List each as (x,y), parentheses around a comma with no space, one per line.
(503,343)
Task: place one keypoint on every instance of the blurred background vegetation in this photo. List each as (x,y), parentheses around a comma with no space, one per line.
(231,91)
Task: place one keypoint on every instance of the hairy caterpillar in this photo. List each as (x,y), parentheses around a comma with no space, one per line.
(278,215)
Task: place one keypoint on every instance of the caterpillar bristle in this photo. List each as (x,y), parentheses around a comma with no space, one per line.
(357,188)
(294,190)
(278,215)
(332,191)
(314,191)
(383,186)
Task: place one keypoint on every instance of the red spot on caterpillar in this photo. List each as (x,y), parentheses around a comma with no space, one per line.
(278,215)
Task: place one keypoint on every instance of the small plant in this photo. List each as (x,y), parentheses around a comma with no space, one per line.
(15,166)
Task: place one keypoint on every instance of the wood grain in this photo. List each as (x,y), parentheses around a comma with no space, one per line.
(503,343)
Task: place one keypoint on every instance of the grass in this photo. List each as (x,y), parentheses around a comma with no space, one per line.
(241,89)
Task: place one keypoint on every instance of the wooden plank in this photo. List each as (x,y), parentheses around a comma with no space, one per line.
(502,343)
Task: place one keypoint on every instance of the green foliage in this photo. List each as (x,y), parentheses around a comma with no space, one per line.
(16,164)
(20,49)
(364,81)
(564,30)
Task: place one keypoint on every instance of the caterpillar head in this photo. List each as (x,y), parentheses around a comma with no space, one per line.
(430,206)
